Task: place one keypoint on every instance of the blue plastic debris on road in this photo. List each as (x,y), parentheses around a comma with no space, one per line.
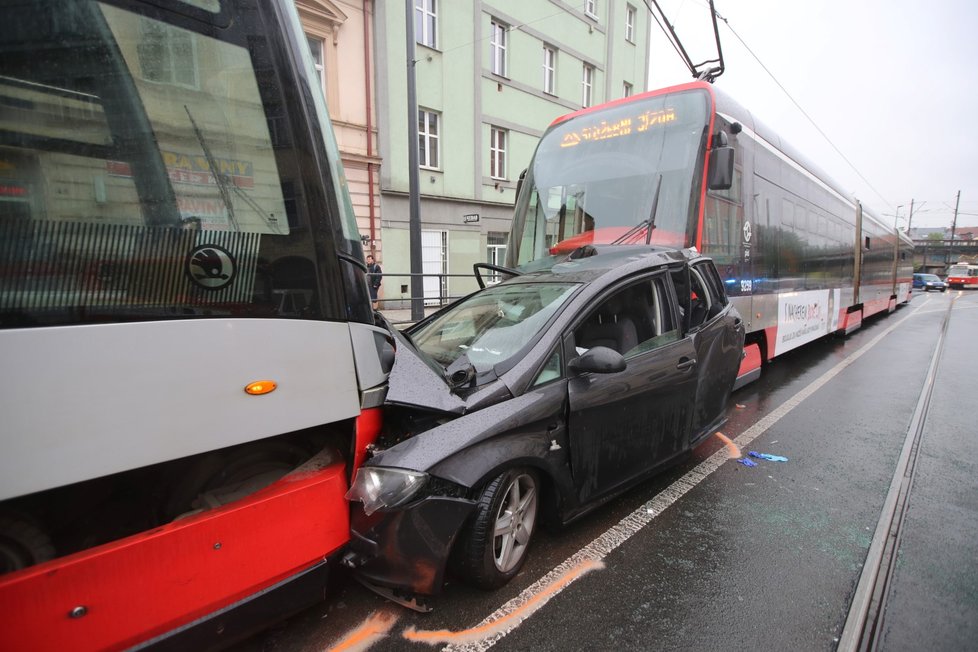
(768,457)
(746,461)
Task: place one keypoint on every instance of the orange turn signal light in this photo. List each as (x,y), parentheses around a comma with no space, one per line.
(260,387)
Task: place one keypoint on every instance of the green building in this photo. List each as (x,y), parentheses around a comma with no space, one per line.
(490,78)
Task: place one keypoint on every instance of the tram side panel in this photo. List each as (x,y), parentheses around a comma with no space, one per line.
(796,271)
(876,274)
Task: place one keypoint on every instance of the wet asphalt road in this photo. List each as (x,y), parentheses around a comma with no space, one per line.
(766,557)
(933,599)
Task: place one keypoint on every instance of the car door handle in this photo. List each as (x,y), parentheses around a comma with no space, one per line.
(686,363)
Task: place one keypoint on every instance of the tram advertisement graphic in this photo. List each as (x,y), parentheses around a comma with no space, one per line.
(806,316)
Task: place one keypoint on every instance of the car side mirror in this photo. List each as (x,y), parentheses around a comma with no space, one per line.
(721,168)
(598,360)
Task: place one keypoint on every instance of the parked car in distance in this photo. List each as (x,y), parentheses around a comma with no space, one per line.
(928,282)
(538,398)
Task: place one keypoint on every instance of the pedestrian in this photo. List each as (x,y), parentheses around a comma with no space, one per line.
(374,274)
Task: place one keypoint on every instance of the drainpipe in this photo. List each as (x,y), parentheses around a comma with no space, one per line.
(370,128)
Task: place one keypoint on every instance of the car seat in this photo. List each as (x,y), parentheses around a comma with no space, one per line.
(610,327)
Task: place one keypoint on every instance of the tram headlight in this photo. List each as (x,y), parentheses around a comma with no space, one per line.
(380,487)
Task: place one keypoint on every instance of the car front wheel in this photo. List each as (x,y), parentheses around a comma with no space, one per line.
(493,548)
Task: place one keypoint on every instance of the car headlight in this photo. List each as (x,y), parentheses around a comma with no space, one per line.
(381,487)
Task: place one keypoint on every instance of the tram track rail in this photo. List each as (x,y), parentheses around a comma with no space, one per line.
(865,621)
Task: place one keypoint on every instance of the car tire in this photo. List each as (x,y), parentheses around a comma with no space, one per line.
(492,549)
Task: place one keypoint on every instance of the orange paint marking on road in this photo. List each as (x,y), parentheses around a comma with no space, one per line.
(374,628)
(732,448)
(436,637)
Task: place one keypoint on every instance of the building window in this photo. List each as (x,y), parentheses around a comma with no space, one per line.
(591,8)
(630,24)
(495,253)
(497,153)
(167,54)
(497,48)
(587,85)
(626,89)
(318,59)
(425,22)
(549,70)
(428,130)
(434,266)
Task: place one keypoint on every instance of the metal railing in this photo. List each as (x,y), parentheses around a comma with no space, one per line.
(400,308)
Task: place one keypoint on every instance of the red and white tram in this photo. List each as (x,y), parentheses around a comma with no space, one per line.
(687,166)
(192,369)
(962,275)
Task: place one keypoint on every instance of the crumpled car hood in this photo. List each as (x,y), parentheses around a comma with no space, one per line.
(413,382)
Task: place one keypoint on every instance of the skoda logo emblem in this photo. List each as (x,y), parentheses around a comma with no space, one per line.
(746,231)
(211,267)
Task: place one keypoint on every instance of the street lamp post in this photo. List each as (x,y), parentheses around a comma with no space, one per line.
(414,192)
(954,226)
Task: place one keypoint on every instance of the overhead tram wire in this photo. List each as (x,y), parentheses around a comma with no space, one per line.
(670,35)
(803,112)
(784,90)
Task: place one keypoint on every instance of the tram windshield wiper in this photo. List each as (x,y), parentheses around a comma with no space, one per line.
(219,180)
(647,224)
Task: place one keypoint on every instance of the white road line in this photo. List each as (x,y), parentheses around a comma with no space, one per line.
(620,533)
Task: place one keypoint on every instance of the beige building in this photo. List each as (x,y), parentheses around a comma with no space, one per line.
(340,34)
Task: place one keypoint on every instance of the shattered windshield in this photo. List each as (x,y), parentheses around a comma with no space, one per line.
(600,176)
(491,326)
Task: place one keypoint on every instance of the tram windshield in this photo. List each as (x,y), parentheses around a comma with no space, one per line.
(963,270)
(602,176)
(148,168)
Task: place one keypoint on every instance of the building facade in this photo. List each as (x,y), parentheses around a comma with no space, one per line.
(341,40)
(490,77)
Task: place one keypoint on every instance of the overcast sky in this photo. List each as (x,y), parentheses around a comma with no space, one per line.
(891,83)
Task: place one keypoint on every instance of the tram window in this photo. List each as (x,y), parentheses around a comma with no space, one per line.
(801,219)
(723,225)
(866,244)
(732,194)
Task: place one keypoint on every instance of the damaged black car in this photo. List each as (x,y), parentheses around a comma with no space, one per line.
(535,400)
